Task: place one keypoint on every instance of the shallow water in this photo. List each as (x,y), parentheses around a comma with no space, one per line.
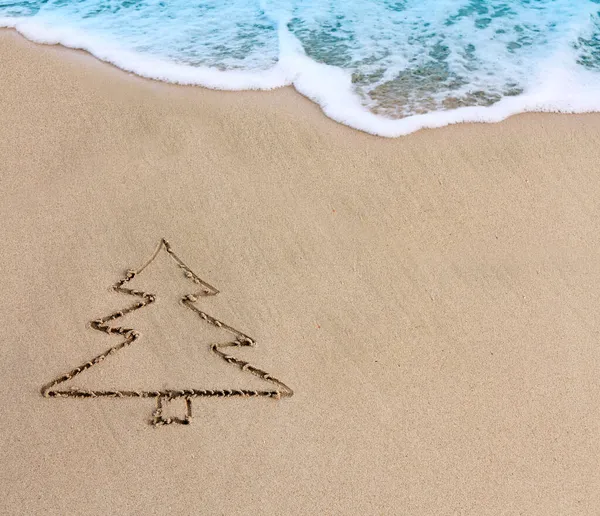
(388,67)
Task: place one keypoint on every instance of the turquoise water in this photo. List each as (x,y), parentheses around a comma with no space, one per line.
(388,67)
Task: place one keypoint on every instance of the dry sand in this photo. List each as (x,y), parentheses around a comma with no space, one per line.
(432,300)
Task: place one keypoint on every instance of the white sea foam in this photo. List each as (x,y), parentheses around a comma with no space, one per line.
(147,65)
(350,76)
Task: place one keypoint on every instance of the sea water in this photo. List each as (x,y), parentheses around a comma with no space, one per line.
(388,67)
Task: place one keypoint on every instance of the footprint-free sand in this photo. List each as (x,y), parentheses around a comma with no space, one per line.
(432,300)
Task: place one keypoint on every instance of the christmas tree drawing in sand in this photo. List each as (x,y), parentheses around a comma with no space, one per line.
(110,324)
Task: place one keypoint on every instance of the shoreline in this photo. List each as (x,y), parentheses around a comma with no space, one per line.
(430,299)
(344,108)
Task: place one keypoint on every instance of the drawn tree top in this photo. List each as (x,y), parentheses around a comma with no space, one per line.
(108,325)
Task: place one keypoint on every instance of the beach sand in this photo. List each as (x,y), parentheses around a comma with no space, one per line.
(432,300)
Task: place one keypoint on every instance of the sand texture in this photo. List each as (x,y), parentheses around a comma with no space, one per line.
(432,301)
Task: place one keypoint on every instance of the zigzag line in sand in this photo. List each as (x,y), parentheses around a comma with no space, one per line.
(131,335)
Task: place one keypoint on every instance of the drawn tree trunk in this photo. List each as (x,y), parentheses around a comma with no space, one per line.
(106,324)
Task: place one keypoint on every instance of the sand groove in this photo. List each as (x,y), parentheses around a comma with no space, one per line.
(131,335)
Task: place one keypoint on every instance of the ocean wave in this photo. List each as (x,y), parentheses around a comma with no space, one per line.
(385,67)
